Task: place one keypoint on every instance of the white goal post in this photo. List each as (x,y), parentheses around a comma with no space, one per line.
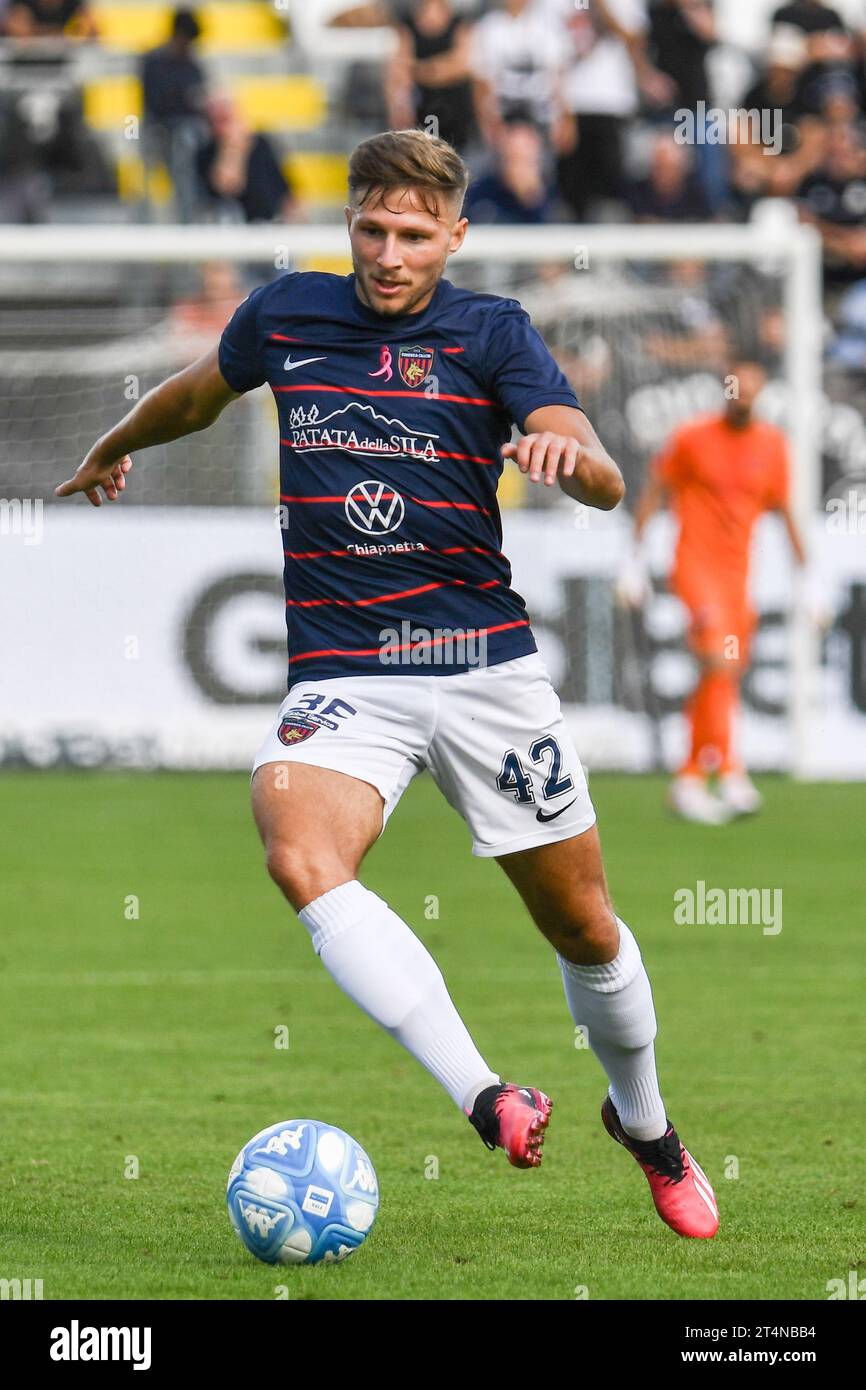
(788,250)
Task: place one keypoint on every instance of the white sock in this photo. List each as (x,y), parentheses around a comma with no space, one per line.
(615,1004)
(380,963)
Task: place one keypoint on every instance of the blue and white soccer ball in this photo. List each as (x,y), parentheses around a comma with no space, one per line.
(302,1191)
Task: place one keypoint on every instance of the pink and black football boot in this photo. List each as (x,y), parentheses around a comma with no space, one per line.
(513,1118)
(681,1190)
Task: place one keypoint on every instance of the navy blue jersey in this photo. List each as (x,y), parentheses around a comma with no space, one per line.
(390,439)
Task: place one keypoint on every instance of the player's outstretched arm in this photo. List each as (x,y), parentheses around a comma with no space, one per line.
(188,401)
(560,443)
(793,530)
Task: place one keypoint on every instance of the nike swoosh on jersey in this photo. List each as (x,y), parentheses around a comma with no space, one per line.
(539,815)
(289,365)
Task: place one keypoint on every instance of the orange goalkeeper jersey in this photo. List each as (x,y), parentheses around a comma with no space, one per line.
(722,479)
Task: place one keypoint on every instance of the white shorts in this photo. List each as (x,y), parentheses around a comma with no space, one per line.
(493,738)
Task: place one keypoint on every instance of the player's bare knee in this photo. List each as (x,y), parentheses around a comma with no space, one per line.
(303,873)
(587,933)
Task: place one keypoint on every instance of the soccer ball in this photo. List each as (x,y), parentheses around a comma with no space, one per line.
(300,1192)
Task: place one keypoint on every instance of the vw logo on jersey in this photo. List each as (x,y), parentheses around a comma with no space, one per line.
(414,364)
(374,508)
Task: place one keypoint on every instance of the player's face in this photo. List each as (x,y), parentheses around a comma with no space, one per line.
(751,381)
(399,251)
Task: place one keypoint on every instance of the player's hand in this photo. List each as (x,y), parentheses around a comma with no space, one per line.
(94,473)
(632,587)
(548,456)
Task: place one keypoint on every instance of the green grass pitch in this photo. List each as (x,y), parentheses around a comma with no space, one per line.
(153,1037)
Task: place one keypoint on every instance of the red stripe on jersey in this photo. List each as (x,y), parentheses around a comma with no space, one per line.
(428,550)
(365,391)
(460,506)
(453,349)
(281,338)
(383,598)
(427,642)
(340,497)
(421,501)
(469,458)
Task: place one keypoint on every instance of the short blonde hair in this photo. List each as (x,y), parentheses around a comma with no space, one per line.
(407,159)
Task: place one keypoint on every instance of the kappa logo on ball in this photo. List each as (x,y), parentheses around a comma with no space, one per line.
(415,364)
(294,728)
(374,508)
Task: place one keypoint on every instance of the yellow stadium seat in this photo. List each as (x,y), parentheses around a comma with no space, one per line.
(317,177)
(133,28)
(130,178)
(109,101)
(512,489)
(133,179)
(225,27)
(232,25)
(280,103)
(332,265)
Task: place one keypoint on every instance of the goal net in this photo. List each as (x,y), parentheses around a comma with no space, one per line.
(152,633)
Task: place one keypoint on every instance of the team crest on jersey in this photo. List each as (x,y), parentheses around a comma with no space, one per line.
(294,728)
(415,364)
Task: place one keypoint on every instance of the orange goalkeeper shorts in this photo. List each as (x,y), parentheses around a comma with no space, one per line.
(722,620)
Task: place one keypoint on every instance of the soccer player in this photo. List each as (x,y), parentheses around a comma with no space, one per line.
(719,473)
(408,648)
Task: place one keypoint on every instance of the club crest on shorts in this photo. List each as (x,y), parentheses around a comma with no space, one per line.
(414,364)
(294,728)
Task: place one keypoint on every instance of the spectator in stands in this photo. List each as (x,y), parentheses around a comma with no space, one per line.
(374,15)
(779,88)
(671,192)
(848,348)
(196,322)
(239,171)
(516,190)
(517,62)
(173,84)
(429,76)
(606,69)
(682,34)
(171,76)
(24,186)
(697,334)
(833,199)
(812,16)
(29,19)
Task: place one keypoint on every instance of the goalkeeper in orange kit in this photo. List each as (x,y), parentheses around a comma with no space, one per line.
(719,474)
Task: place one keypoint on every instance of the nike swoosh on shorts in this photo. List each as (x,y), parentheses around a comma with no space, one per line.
(539,815)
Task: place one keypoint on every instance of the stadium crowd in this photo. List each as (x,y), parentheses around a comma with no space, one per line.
(565,110)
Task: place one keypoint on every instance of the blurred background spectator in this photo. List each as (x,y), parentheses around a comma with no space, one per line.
(196,320)
(28,19)
(671,191)
(239,171)
(517,59)
(517,187)
(429,77)
(833,198)
(606,68)
(682,36)
(173,86)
